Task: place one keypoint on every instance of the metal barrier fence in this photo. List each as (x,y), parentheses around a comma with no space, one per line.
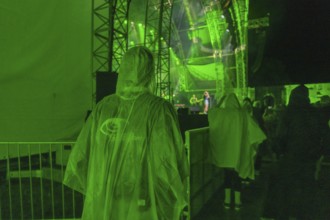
(31,176)
(205,179)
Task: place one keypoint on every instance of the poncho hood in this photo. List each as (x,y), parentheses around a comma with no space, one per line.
(136,73)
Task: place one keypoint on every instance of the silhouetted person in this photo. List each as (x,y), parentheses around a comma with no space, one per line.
(270,118)
(299,135)
(129,159)
(247,104)
(323,107)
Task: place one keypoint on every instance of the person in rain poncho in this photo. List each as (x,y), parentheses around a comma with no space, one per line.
(234,137)
(129,159)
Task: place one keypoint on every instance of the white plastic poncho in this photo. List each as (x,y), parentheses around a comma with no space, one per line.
(129,159)
(234,137)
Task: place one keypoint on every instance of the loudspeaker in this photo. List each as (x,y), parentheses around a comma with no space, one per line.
(183,111)
(105,84)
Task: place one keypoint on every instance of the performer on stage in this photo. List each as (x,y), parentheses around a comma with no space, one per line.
(207,99)
(194,101)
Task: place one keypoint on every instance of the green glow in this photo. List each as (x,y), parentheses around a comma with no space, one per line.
(216,28)
(141,30)
(200,33)
(241,21)
(188,12)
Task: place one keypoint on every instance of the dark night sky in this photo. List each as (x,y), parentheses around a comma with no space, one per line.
(297,44)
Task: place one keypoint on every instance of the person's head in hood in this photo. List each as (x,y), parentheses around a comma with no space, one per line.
(229,101)
(299,97)
(136,73)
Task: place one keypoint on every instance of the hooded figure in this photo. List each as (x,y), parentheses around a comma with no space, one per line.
(129,159)
(234,137)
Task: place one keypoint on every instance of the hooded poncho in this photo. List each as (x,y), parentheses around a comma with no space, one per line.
(234,137)
(129,159)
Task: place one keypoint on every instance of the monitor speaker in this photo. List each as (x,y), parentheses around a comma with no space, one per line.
(105,84)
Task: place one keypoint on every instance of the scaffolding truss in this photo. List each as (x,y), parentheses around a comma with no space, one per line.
(217,25)
(158,39)
(118,32)
(177,47)
(239,13)
(109,36)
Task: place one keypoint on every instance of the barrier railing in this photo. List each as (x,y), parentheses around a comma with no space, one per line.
(31,175)
(204,179)
(31,181)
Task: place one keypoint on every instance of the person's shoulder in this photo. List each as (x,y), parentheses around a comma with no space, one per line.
(313,110)
(154,98)
(158,104)
(162,103)
(107,100)
(224,111)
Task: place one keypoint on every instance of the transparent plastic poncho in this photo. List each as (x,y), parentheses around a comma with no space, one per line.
(234,137)
(129,159)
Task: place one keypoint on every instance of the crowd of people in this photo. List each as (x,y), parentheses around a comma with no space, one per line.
(296,141)
(297,137)
(130,161)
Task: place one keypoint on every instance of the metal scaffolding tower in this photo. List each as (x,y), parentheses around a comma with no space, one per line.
(158,39)
(217,26)
(119,30)
(239,13)
(109,35)
(259,25)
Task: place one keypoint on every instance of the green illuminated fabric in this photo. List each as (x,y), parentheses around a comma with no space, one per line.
(202,76)
(129,159)
(45,76)
(234,137)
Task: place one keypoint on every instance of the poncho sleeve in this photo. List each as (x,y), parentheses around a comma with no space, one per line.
(76,170)
(169,162)
(253,137)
